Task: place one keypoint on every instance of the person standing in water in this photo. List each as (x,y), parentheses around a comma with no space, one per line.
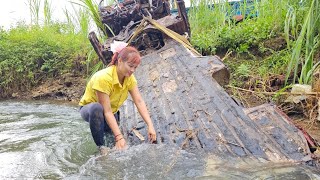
(106,92)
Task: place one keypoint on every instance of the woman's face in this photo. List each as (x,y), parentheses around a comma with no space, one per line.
(127,68)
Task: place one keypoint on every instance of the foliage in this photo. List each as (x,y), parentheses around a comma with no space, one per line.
(47,12)
(30,54)
(243,71)
(214,30)
(92,9)
(34,6)
(261,68)
(307,41)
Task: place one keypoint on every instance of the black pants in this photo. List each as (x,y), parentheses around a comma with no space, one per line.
(93,113)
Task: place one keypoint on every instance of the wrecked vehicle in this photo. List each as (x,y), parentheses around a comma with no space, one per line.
(184,94)
(124,18)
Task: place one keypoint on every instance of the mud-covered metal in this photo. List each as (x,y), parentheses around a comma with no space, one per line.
(124,18)
(120,15)
(192,111)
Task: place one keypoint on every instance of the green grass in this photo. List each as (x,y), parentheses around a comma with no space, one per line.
(34,7)
(92,9)
(31,53)
(306,44)
(213,31)
(296,22)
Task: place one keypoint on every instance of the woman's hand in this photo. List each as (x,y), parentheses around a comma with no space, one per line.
(142,108)
(152,134)
(121,143)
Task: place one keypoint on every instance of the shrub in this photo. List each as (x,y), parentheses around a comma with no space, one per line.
(30,54)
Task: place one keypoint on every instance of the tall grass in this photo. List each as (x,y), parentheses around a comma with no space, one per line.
(213,30)
(34,7)
(71,27)
(92,8)
(305,46)
(205,30)
(47,12)
(80,21)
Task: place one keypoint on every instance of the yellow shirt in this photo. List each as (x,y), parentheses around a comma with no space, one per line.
(106,81)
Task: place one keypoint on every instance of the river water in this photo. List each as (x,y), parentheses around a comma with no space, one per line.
(49,140)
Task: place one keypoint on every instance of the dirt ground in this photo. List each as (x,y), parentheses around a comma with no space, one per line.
(68,87)
(311,127)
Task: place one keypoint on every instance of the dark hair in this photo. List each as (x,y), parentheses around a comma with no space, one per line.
(127,53)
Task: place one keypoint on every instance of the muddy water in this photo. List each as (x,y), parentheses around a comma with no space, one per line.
(46,140)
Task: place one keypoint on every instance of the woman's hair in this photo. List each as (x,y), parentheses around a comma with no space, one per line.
(128,53)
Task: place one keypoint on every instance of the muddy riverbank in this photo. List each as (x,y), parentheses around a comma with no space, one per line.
(68,87)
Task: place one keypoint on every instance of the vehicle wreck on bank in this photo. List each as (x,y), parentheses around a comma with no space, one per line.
(184,94)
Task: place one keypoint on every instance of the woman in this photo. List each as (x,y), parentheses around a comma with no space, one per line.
(105,93)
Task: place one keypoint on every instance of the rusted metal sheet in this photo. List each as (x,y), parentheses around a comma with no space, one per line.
(150,38)
(122,20)
(120,15)
(282,133)
(191,110)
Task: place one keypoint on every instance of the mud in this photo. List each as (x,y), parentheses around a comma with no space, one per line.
(68,87)
(275,44)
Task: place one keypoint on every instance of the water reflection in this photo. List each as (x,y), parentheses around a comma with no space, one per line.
(45,140)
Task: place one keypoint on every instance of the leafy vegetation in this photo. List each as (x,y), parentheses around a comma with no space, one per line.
(92,9)
(28,55)
(36,52)
(216,30)
(308,40)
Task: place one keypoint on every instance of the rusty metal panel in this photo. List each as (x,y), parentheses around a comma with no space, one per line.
(120,15)
(192,111)
(280,130)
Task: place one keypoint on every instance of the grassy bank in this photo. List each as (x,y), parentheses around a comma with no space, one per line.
(29,55)
(281,35)
(44,49)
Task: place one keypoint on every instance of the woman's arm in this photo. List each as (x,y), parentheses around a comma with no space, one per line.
(142,108)
(104,100)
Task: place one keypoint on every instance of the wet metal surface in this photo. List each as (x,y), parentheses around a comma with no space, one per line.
(191,110)
(283,135)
